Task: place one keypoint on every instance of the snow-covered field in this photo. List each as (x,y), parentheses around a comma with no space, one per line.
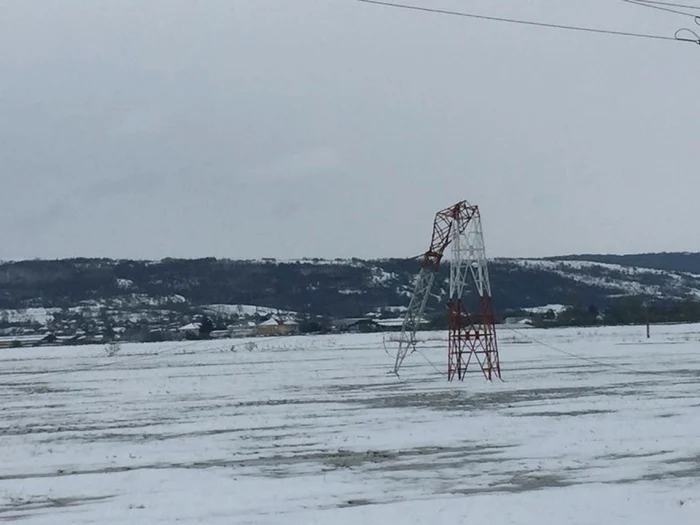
(312,430)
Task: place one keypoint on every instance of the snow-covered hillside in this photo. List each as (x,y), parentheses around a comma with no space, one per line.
(154,294)
(620,280)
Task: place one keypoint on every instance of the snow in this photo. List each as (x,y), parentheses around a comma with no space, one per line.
(615,277)
(125,284)
(190,327)
(146,300)
(313,430)
(310,261)
(393,309)
(556,308)
(274,321)
(41,316)
(404,291)
(22,338)
(395,322)
(390,322)
(380,277)
(244,310)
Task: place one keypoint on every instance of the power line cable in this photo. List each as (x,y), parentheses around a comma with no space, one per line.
(695,38)
(114,361)
(393,357)
(670,4)
(440,372)
(652,5)
(572,355)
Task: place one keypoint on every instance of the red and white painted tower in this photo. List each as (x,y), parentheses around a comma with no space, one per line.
(472,334)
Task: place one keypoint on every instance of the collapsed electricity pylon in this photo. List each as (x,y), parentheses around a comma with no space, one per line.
(471,335)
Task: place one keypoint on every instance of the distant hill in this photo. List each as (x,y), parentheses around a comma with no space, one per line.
(672,261)
(128,291)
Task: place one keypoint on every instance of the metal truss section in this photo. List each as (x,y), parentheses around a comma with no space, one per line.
(414,316)
(469,258)
(472,336)
(472,340)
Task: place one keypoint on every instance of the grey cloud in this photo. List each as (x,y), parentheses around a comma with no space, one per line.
(332,128)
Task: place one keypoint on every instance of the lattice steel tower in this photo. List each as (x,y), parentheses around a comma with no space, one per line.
(472,335)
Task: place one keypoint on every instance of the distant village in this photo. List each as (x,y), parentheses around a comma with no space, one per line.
(53,327)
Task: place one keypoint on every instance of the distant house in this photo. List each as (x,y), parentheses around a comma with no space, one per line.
(10,341)
(344,325)
(292,326)
(521,321)
(356,325)
(68,339)
(275,326)
(27,340)
(369,324)
(246,329)
(392,324)
(364,326)
(191,329)
(219,334)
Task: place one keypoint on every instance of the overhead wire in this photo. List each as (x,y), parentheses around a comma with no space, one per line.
(113,361)
(536,341)
(658,7)
(671,4)
(695,39)
(649,4)
(573,355)
(440,372)
(415,349)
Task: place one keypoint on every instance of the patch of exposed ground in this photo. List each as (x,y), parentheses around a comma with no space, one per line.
(570,413)
(480,401)
(330,459)
(24,507)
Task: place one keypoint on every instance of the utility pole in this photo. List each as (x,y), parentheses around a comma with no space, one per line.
(647,319)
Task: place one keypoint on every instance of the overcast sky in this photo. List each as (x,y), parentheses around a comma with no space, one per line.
(334,128)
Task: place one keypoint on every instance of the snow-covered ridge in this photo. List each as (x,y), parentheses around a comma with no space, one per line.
(351,287)
(312,261)
(587,265)
(618,279)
